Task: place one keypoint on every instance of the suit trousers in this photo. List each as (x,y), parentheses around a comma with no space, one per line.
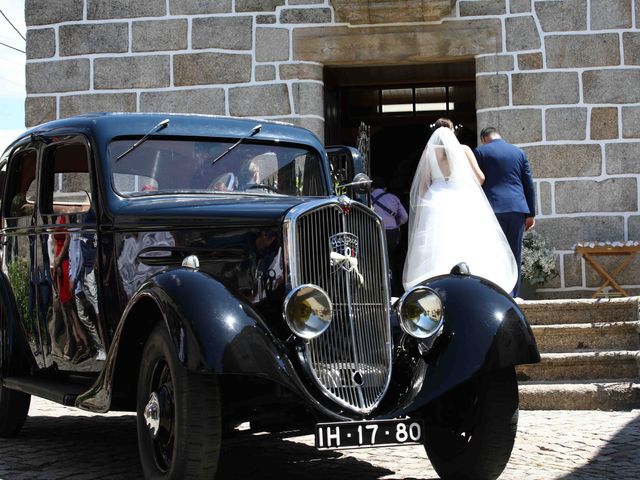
(512,224)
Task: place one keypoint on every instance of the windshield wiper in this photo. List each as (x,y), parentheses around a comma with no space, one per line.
(253,131)
(163,124)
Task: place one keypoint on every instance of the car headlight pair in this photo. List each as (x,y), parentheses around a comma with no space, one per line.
(421,312)
(308,311)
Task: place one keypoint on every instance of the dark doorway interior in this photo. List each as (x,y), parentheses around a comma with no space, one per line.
(399,104)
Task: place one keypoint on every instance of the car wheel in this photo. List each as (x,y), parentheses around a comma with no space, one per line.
(470,431)
(14,408)
(178,415)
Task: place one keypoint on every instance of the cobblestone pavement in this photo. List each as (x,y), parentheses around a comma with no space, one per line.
(64,443)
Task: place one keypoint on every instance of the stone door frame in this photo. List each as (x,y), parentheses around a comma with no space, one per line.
(388,45)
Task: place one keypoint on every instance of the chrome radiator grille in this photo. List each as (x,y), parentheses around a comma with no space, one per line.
(351,361)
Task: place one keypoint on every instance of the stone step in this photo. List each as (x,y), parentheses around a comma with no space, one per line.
(603,395)
(587,337)
(583,366)
(550,312)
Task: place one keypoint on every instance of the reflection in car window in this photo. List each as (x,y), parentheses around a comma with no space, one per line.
(177,166)
(22,199)
(66,179)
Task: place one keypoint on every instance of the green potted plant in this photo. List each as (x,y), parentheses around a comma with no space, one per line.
(538,263)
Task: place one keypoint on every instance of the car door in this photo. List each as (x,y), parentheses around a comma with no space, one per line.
(67,240)
(19,250)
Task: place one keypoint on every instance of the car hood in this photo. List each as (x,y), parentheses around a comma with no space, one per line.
(206,209)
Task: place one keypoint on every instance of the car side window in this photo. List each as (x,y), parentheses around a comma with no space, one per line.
(22,177)
(66,183)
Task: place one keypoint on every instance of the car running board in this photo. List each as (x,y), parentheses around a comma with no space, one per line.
(64,393)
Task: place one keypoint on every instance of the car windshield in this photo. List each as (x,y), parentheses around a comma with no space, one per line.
(160,166)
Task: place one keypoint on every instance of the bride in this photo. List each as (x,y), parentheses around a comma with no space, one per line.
(451,220)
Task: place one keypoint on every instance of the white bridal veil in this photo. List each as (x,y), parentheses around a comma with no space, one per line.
(451,220)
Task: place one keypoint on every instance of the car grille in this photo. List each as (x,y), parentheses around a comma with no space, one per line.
(351,361)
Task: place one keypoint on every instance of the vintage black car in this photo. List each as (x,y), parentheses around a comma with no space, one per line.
(203,272)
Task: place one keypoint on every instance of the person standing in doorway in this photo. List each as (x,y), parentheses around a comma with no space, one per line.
(393,214)
(509,188)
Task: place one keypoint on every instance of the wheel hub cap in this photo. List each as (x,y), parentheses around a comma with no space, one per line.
(152,414)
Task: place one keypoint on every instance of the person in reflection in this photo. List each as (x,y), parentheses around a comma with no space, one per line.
(451,220)
(83,306)
(60,269)
(87,272)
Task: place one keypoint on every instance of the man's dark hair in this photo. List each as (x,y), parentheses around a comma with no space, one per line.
(486,132)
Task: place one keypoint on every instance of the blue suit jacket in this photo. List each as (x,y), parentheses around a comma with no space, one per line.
(508,182)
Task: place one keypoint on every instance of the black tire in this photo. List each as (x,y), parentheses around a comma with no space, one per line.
(470,432)
(14,408)
(187,443)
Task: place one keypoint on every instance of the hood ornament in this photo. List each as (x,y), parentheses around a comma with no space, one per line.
(345,204)
(344,254)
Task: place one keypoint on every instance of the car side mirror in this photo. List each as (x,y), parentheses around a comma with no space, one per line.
(361,183)
(346,163)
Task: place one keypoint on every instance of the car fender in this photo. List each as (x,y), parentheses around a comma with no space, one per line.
(213,331)
(484,330)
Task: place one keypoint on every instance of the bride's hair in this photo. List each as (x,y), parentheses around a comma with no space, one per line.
(443,122)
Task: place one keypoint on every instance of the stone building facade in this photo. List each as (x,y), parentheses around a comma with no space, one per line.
(560,78)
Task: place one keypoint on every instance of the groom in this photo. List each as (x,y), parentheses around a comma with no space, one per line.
(509,188)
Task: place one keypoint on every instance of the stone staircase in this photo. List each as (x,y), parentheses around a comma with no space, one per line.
(590,353)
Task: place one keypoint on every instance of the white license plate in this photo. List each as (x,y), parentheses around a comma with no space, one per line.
(370,433)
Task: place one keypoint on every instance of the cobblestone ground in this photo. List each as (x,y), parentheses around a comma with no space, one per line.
(65,443)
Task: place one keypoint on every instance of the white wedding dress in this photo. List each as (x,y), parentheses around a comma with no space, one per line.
(451,220)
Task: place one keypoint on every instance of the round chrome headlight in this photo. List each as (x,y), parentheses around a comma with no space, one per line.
(308,311)
(421,312)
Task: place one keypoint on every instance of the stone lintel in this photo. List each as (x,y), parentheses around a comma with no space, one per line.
(397,44)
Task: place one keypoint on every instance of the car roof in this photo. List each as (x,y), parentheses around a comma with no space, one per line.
(107,125)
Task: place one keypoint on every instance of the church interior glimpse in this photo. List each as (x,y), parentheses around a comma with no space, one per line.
(399,104)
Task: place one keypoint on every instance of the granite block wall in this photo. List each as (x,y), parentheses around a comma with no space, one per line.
(560,78)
